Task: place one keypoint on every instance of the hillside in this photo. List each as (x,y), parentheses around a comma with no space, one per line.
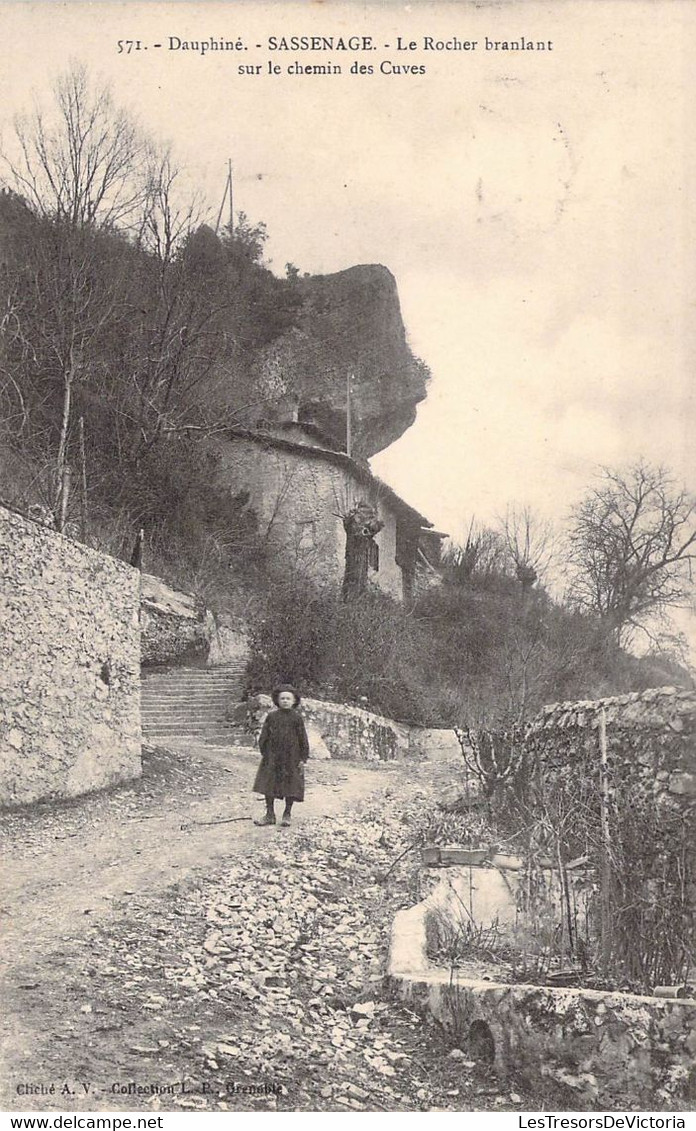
(118,365)
(211,333)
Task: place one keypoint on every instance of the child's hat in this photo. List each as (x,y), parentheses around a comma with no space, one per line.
(285,687)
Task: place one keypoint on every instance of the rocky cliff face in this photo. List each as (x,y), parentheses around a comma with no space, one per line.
(348,323)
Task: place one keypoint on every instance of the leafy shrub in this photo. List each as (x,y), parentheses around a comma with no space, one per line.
(370,652)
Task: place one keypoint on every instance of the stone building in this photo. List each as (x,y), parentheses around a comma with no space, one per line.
(301,491)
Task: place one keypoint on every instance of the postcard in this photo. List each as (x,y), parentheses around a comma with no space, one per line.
(348,535)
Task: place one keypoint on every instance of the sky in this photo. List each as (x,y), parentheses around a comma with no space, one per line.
(532,206)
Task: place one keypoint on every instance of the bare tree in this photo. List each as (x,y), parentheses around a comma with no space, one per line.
(81,166)
(529,543)
(82,161)
(65,306)
(633,547)
(178,343)
(482,555)
(169,214)
(85,168)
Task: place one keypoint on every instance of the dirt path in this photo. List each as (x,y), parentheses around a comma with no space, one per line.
(70,866)
(78,875)
(155,962)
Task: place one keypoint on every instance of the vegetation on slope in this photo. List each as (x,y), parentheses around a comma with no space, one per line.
(483,650)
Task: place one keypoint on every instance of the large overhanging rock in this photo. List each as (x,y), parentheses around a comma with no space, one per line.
(350,325)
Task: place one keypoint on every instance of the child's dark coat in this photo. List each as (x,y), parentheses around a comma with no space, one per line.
(284,748)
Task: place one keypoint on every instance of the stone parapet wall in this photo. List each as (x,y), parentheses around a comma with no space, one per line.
(348,732)
(657,707)
(626,768)
(354,733)
(69,666)
(651,740)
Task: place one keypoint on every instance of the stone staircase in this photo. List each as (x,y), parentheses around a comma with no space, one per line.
(191,705)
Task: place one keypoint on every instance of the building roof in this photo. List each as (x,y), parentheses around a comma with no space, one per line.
(436,533)
(339,459)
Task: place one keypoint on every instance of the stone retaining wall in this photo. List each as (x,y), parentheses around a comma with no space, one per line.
(69,666)
(348,732)
(607,1051)
(649,779)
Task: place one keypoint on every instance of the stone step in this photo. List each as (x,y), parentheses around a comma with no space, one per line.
(189,704)
(188,720)
(189,732)
(199,684)
(217,725)
(232,695)
(186,723)
(177,684)
(190,726)
(222,739)
(195,689)
(192,704)
(187,682)
(195,669)
(209,697)
(177,679)
(193,673)
(222,742)
(197,692)
(185,716)
(190,693)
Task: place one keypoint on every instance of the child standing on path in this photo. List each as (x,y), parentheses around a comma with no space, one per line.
(284,750)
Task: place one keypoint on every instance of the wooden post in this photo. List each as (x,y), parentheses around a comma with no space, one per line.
(137,555)
(229,182)
(83,481)
(606,867)
(228,189)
